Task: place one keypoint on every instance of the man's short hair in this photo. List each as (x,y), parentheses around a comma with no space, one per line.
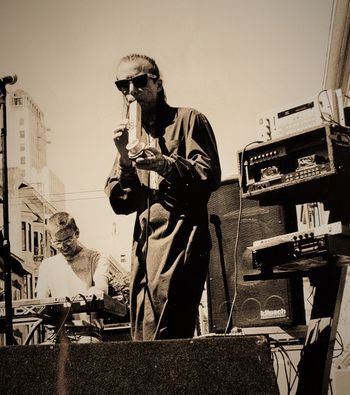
(135,56)
(62,220)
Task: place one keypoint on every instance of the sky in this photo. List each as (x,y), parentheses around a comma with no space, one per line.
(230,59)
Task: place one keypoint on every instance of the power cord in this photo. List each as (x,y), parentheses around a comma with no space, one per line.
(235,261)
(55,335)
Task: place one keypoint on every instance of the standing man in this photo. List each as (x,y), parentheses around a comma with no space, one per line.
(168,189)
(75,270)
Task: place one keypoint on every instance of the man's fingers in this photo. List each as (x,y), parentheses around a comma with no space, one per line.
(123,125)
(152,149)
(117,134)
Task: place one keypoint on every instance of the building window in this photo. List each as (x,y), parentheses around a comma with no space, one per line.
(36,243)
(21,134)
(22,147)
(35,284)
(21,121)
(2,286)
(41,244)
(30,237)
(16,294)
(18,101)
(23,160)
(24,236)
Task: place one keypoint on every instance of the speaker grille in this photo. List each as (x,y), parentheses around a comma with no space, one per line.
(258,303)
(219,365)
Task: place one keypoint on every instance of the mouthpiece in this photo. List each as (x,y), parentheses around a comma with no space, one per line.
(130,98)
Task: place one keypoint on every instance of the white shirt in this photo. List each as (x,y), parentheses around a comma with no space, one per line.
(86,273)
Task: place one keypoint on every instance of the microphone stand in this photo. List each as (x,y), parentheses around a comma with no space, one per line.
(5,253)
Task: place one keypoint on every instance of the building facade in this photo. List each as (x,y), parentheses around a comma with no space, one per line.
(34,194)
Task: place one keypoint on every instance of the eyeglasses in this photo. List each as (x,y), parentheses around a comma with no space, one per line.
(66,242)
(140,81)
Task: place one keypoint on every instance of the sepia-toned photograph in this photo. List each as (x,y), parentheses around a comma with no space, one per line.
(175,200)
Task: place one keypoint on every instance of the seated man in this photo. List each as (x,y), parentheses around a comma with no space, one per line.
(74,272)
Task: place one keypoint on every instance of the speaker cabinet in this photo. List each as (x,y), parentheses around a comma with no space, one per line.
(277,302)
(217,365)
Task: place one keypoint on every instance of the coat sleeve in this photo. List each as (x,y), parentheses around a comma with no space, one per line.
(122,188)
(195,167)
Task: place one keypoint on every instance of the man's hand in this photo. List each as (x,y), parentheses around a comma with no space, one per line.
(121,139)
(154,160)
(93,291)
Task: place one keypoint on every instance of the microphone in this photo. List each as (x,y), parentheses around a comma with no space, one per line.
(9,80)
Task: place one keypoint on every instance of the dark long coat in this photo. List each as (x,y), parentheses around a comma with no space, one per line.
(171,241)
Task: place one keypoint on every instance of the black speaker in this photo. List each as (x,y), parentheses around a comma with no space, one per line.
(277,302)
(217,365)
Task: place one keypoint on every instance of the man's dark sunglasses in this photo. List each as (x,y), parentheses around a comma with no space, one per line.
(140,81)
